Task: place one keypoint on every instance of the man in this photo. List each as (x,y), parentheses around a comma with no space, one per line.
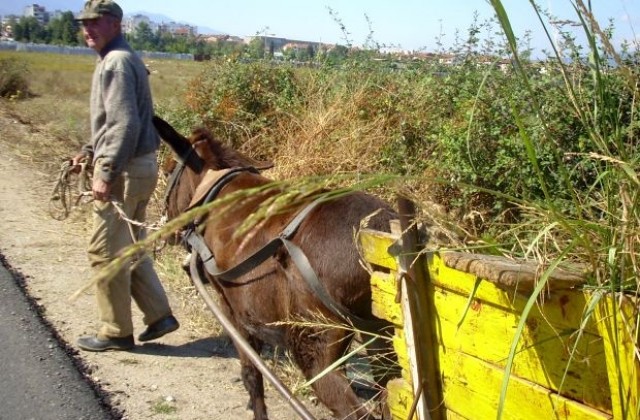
(123,149)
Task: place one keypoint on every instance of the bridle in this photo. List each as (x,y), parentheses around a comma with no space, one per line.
(190,160)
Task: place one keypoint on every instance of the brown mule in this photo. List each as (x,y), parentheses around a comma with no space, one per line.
(266,302)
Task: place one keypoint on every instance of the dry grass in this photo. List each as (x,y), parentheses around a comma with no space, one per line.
(329,133)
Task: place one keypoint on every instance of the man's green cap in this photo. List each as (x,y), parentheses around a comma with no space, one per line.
(93,9)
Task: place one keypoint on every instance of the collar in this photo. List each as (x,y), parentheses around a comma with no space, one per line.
(117,43)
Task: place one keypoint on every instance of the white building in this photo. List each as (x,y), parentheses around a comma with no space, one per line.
(38,12)
(131,23)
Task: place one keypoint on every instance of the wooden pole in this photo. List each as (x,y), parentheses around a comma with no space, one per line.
(418,300)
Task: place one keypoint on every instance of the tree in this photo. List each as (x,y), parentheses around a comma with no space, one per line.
(143,38)
(64,30)
(337,54)
(311,52)
(256,48)
(28,29)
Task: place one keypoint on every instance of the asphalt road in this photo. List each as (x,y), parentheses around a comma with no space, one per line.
(38,379)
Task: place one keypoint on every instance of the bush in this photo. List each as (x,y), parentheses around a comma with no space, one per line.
(14,78)
(239,101)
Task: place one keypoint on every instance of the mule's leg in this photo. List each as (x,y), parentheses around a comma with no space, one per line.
(382,358)
(384,366)
(314,352)
(251,376)
(253,381)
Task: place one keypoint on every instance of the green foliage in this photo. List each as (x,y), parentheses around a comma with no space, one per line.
(14,76)
(143,38)
(586,124)
(63,30)
(239,101)
(28,29)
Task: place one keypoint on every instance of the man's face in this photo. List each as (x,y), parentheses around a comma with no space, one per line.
(99,32)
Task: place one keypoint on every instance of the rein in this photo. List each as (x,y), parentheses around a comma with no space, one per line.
(201,255)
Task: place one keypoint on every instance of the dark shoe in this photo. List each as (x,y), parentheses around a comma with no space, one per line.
(93,343)
(159,328)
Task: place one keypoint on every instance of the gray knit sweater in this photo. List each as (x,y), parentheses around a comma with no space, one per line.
(121,110)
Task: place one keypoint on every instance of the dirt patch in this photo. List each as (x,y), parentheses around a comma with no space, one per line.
(189,374)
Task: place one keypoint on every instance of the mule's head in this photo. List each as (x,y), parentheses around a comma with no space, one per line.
(194,156)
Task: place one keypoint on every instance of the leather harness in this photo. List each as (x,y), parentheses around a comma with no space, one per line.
(201,255)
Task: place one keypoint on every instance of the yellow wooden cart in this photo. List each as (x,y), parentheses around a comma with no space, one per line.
(575,358)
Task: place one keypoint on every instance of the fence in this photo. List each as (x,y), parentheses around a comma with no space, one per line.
(67,49)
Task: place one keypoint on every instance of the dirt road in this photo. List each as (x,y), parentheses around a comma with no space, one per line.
(187,375)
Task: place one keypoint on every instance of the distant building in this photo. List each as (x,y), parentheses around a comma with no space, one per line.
(131,23)
(38,12)
(178,29)
(300,46)
(212,39)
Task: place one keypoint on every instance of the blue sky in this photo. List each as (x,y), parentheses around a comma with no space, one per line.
(409,24)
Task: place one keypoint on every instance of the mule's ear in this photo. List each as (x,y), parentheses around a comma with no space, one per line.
(178,143)
(169,135)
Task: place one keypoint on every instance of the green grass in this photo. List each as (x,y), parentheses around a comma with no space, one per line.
(163,407)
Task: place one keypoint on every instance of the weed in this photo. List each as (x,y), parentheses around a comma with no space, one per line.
(163,407)
(14,76)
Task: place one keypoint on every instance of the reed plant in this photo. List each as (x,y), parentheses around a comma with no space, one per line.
(600,228)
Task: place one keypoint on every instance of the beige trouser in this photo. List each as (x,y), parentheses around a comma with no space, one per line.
(110,235)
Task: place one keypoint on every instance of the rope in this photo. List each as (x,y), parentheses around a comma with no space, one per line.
(60,203)
(71,187)
(159,244)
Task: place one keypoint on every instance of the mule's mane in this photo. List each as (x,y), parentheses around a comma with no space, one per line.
(216,154)
(220,156)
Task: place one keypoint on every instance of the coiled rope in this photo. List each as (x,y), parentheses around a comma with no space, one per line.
(72,186)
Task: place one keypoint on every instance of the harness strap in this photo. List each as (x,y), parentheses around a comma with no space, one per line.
(197,244)
(302,263)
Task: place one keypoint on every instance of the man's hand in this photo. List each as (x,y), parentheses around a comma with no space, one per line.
(101,190)
(77,160)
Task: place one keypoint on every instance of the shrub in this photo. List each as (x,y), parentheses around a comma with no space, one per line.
(14,78)
(239,101)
